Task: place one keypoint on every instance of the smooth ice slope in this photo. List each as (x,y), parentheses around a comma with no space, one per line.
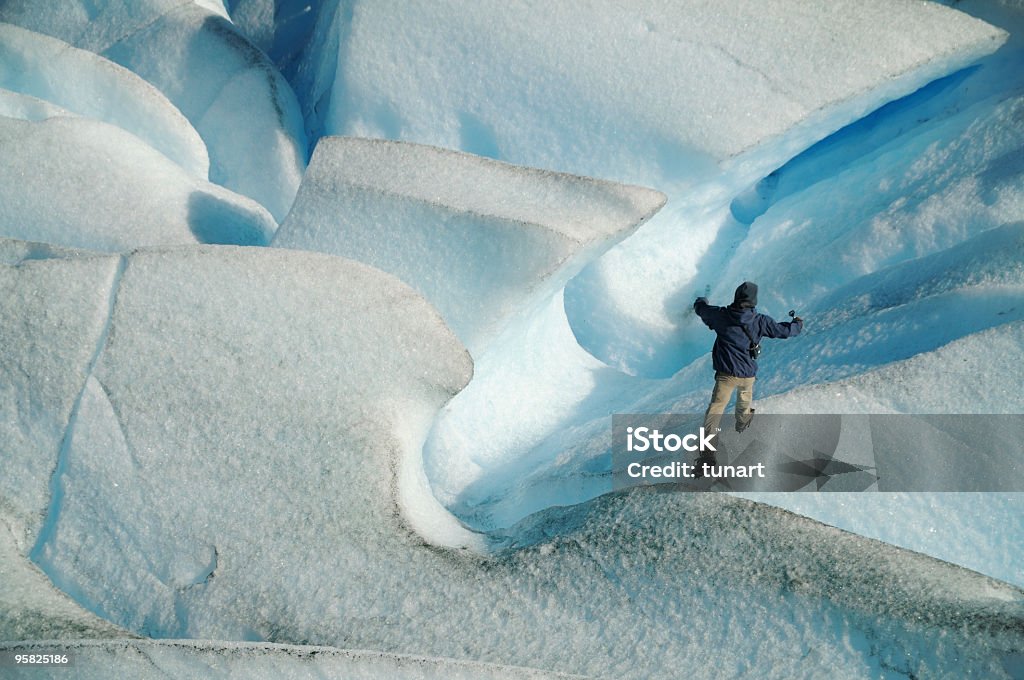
(91,86)
(380,363)
(158,660)
(481,240)
(230,92)
(86,184)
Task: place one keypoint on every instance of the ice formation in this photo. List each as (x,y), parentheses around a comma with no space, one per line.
(230,92)
(483,241)
(281,28)
(27,107)
(83,183)
(269,445)
(61,300)
(311,453)
(641,93)
(89,85)
(62,306)
(908,243)
(31,608)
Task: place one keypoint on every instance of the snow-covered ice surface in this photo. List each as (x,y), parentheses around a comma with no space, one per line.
(642,88)
(953,527)
(61,299)
(455,226)
(89,85)
(27,107)
(62,303)
(31,608)
(310,457)
(251,444)
(229,90)
(83,183)
(907,238)
(661,94)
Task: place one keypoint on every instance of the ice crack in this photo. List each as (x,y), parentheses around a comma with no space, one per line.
(53,512)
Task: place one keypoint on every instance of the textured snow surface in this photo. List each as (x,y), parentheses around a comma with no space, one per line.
(311,452)
(482,240)
(83,183)
(61,300)
(27,107)
(642,88)
(32,608)
(953,527)
(272,445)
(61,307)
(89,85)
(911,242)
(230,92)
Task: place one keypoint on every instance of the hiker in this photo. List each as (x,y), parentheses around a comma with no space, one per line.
(734,356)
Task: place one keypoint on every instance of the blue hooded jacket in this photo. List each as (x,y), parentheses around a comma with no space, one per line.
(731,354)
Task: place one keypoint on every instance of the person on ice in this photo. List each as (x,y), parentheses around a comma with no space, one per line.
(739,328)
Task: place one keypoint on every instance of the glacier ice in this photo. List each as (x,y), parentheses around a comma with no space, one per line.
(249,427)
(89,85)
(215,6)
(61,305)
(60,300)
(27,107)
(953,527)
(483,241)
(31,608)
(58,179)
(281,28)
(941,184)
(642,92)
(909,246)
(241,106)
(209,462)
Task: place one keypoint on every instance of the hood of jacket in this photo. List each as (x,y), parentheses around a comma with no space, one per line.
(745,296)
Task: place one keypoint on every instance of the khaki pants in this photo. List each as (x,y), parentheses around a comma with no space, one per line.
(724,386)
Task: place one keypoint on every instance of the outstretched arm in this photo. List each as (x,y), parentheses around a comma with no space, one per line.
(770,328)
(701,306)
